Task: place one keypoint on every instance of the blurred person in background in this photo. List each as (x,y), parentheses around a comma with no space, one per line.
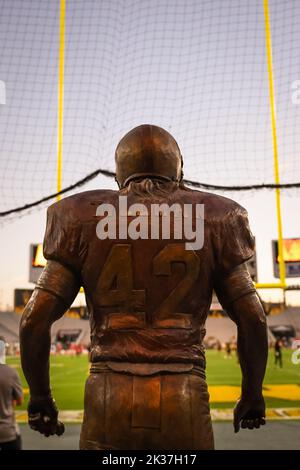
(228,350)
(278,352)
(11,394)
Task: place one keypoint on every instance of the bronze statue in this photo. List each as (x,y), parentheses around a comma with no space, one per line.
(148,300)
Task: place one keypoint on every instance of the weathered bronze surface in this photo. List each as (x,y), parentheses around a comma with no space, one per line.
(147,151)
(148,301)
(158,412)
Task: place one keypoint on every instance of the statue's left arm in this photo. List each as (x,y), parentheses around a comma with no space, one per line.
(234,245)
(55,292)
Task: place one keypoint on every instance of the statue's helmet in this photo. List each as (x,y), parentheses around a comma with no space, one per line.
(148,151)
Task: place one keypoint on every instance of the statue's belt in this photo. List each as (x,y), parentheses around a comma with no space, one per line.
(148,368)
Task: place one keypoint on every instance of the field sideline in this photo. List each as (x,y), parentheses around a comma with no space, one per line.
(281,386)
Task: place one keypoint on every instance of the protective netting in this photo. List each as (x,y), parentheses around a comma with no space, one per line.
(197,68)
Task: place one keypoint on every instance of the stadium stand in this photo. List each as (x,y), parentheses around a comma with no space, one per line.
(223,329)
(9,327)
(289,317)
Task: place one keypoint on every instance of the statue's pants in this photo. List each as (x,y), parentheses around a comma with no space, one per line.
(164,411)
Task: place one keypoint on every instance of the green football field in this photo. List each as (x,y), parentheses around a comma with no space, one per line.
(281,386)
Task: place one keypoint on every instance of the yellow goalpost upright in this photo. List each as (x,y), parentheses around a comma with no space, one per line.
(282,279)
(60,110)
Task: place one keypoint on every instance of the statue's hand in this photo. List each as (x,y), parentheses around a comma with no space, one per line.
(249,413)
(42,416)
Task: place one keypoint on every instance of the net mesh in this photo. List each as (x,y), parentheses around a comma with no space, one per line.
(196,68)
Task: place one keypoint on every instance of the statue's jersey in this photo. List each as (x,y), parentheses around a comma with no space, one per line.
(148,299)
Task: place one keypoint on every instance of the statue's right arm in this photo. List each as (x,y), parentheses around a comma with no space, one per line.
(54,294)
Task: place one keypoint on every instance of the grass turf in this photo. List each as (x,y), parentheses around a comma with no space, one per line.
(68,375)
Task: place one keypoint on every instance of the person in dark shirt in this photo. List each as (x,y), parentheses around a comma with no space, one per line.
(228,350)
(278,352)
(11,394)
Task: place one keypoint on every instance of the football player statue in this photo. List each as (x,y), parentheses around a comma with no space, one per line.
(148,297)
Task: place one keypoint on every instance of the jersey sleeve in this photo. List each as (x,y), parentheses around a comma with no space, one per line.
(62,240)
(234,242)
